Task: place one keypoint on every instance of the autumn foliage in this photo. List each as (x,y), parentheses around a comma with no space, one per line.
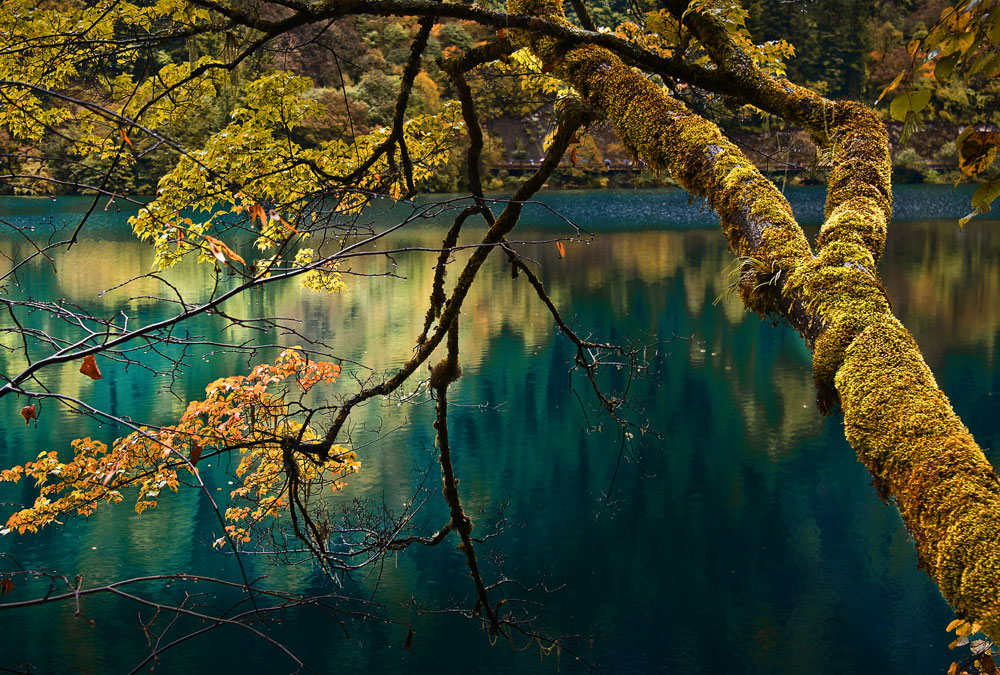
(250,414)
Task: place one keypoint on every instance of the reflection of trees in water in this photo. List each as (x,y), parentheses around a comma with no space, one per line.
(945,283)
(727,470)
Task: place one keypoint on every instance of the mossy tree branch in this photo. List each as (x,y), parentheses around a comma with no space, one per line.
(895,416)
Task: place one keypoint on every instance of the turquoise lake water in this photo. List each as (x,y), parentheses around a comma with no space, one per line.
(742,537)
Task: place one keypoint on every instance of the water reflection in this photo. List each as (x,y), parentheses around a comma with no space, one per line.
(747,539)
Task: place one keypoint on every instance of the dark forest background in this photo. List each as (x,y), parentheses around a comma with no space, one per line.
(843,49)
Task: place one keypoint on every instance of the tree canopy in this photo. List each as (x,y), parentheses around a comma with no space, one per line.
(209,96)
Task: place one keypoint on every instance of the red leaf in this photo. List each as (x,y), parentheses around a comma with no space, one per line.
(28,413)
(195,453)
(90,369)
(562,249)
(6,586)
(409,640)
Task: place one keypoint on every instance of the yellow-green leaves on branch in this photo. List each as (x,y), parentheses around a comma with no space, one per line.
(323,277)
(255,157)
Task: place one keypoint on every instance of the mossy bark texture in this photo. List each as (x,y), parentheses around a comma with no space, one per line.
(895,416)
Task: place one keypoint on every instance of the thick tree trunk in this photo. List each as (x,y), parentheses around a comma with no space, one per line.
(895,416)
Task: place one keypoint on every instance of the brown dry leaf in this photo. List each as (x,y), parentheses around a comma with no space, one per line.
(29,413)
(221,251)
(977,152)
(90,369)
(195,453)
(231,253)
(409,640)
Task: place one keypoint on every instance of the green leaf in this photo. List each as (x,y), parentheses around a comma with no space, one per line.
(910,102)
(985,194)
(987,61)
(944,66)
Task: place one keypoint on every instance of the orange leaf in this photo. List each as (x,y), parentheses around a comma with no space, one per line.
(259,212)
(126,138)
(501,33)
(286,224)
(6,586)
(572,156)
(28,413)
(231,253)
(90,369)
(195,453)
(221,251)
(562,249)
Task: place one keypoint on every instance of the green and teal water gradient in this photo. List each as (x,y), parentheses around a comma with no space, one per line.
(746,539)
